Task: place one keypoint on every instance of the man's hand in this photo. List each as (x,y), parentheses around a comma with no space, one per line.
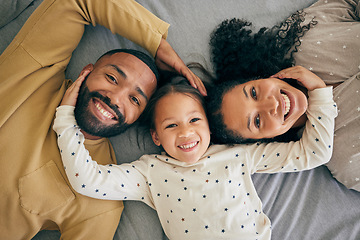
(71,94)
(167,59)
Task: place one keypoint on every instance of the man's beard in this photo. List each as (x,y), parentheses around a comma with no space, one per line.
(91,124)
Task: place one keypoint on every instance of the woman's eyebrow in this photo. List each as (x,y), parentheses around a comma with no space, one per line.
(248,116)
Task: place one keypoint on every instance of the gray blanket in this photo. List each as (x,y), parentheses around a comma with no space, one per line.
(305,205)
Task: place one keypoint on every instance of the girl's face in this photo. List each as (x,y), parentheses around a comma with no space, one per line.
(181,127)
(263,108)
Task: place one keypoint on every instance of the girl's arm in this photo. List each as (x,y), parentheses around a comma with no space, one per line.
(316,145)
(112,182)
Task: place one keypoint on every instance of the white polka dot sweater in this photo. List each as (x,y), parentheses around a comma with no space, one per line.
(212,199)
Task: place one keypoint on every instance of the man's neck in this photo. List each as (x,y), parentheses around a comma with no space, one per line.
(89,136)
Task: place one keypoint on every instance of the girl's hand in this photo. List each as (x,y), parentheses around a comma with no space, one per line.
(71,94)
(167,59)
(304,77)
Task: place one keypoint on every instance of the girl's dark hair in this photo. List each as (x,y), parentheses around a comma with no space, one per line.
(169,83)
(239,55)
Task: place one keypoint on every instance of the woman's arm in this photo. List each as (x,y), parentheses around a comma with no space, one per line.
(315,146)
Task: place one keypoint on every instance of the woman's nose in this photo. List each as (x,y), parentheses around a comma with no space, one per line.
(270,105)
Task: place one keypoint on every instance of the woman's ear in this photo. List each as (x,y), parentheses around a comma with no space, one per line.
(155,137)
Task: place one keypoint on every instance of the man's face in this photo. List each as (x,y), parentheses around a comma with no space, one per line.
(114,94)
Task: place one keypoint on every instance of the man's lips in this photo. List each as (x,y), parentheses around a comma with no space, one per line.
(104,111)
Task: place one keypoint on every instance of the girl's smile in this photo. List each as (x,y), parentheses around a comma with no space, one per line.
(181,127)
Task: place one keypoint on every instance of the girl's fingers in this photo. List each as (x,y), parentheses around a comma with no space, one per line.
(71,94)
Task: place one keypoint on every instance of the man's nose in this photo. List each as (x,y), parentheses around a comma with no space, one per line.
(118,98)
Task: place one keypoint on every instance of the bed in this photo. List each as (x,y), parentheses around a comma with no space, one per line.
(305,205)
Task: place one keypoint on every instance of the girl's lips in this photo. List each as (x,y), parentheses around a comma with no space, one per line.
(187,147)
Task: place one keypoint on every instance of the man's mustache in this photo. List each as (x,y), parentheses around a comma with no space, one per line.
(107,101)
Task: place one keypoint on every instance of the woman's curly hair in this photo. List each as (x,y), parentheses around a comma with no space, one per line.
(237,52)
(239,55)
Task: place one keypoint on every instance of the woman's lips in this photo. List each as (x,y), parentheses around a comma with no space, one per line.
(289,103)
(286,103)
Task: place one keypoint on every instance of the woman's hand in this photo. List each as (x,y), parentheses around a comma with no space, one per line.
(71,94)
(167,59)
(304,77)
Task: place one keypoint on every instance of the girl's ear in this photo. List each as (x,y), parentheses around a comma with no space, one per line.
(155,137)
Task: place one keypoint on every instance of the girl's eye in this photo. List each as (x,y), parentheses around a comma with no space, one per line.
(135,100)
(257,121)
(111,78)
(171,125)
(253,93)
(194,120)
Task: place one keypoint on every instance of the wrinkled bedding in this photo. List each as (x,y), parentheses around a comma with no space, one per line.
(305,205)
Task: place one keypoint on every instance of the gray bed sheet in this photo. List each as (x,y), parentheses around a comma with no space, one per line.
(305,205)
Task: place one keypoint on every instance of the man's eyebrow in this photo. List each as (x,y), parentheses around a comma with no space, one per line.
(118,70)
(141,92)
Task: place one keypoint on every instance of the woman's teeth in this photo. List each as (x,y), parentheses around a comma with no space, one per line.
(287,103)
(187,146)
(103,111)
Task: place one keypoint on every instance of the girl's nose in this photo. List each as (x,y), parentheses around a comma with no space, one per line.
(186,131)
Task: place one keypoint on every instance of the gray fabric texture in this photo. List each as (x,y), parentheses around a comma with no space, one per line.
(305,205)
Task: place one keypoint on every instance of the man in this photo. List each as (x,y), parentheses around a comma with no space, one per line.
(35,193)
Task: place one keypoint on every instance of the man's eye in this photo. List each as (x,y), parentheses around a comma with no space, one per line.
(135,100)
(171,125)
(253,93)
(111,78)
(194,120)
(257,121)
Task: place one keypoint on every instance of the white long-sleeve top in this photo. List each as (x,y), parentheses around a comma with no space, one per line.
(213,198)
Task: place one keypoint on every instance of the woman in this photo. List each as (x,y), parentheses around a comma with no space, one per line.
(324,39)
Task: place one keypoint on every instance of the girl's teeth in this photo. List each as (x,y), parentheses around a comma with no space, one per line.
(103,111)
(187,146)
(287,103)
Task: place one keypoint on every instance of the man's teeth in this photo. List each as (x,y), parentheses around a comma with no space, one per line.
(287,103)
(187,146)
(103,111)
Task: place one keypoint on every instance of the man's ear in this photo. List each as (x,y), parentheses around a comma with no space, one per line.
(87,69)
(155,137)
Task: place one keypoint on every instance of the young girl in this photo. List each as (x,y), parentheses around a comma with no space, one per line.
(200,191)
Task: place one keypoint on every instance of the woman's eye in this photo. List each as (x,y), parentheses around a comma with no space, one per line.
(135,100)
(194,120)
(257,121)
(111,78)
(253,93)
(171,125)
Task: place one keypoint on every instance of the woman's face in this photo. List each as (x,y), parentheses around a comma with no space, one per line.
(263,108)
